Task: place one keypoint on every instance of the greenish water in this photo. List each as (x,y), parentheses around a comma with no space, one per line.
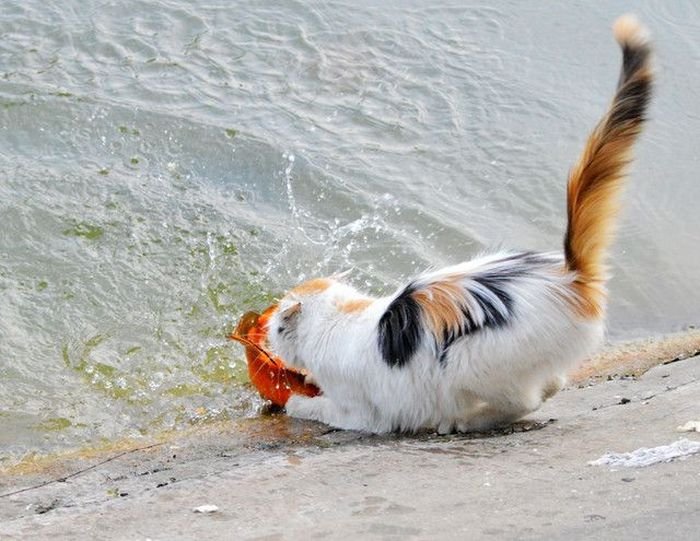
(166,166)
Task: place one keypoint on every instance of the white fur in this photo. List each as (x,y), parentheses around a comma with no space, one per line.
(489,376)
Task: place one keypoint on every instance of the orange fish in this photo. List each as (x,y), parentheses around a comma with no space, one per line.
(273,380)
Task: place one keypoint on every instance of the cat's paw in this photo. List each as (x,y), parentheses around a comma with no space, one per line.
(298,406)
(317,408)
(446,427)
(473,425)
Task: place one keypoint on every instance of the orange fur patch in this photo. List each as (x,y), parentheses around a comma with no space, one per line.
(356,305)
(590,299)
(317,285)
(595,182)
(442,304)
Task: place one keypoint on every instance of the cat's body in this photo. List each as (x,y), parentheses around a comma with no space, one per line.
(482,342)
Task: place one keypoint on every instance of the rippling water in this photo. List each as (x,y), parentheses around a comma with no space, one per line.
(165,166)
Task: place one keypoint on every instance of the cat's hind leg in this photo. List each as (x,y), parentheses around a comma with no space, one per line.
(503,410)
(488,418)
(552,387)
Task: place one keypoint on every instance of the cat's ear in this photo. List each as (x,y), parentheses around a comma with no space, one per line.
(291,312)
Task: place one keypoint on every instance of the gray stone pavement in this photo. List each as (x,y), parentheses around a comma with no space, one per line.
(275,478)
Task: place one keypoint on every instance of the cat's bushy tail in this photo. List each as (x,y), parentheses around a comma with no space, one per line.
(596,180)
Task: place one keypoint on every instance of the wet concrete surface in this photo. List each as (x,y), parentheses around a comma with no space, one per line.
(277,478)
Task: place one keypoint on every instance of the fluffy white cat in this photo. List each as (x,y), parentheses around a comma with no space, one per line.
(479,343)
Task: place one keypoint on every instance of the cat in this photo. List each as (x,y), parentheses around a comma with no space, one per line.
(481,343)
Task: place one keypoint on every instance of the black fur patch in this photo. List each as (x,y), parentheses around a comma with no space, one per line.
(497,314)
(634,57)
(631,102)
(633,92)
(400,329)
(498,311)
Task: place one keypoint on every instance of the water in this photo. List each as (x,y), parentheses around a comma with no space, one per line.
(166,166)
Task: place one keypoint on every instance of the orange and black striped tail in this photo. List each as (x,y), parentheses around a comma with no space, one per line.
(596,180)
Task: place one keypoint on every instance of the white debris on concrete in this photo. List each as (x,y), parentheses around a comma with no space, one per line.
(644,456)
(690,426)
(205,509)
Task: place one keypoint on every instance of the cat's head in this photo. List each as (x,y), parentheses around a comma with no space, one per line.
(303,315)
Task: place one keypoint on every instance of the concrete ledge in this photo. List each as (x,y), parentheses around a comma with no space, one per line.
(277,478)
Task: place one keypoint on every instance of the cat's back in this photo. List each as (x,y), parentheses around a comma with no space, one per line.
(504,306)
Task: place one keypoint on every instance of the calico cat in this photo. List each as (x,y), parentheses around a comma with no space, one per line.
(483,342)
